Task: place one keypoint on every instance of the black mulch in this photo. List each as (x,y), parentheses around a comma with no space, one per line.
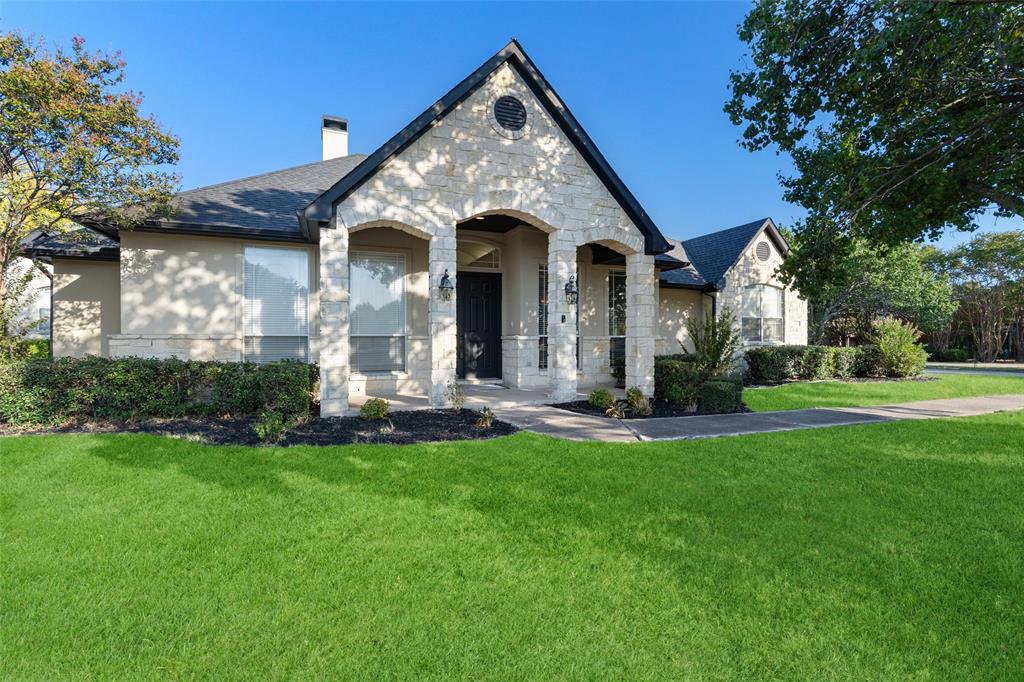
(400,428)
(658,409)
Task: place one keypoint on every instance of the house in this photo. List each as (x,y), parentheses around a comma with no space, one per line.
(488,240)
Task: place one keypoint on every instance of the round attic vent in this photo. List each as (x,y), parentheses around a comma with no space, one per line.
(763,251)
(510,113)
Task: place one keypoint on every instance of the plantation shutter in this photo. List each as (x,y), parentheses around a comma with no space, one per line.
(276,304)
(377,300)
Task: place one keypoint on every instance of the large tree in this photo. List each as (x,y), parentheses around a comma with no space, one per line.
(904,118)
(73,146)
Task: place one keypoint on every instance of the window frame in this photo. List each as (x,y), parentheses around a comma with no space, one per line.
(404,255)
(760,287)
(613,338)
(310,258)
(543,315)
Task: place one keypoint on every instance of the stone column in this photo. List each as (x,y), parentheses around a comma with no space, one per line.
(443,331)
(561,318)
(334,320)
(641,305)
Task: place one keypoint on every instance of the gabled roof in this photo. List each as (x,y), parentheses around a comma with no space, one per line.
(714,254)
(82,243)
(259,205)
(686,277)
(319,211)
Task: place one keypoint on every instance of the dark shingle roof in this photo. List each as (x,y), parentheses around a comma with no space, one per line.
(685,277)
(266,202)
(713,254)
(81,243)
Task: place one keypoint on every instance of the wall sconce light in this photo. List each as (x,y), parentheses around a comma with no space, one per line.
(572,294)
(446,287)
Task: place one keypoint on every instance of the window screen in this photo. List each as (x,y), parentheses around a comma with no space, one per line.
(377,302)
(276,304)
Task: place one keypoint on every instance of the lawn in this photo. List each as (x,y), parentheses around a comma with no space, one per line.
(882,551)
(852,394)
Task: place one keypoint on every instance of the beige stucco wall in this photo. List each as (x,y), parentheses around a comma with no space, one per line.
(751,270)
(87,309)
(676,307)
(182,296)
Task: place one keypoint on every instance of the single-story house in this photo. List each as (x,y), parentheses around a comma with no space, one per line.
(487,240)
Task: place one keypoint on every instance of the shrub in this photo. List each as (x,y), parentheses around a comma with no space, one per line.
(775,364)
(23,349)
(269,426)
(618,367)
(676,379)
(615,412)
(870,362)
(715,342)
(637,402)
(843,361)
(902,354)
(375,408)
(949,355)
(486,419)
(125,389)
(720,396)
(456,396)
(601,398)
(814,362)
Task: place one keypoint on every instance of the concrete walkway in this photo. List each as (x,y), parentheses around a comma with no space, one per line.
(562,424)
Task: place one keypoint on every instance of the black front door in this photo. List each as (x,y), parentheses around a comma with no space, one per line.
(479,325)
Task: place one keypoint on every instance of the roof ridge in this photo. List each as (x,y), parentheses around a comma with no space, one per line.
(263,175)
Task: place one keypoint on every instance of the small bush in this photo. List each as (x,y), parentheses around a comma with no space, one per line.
(375,408)
(269,426)
(618,367)
(486,419)
(637,402)
(676,379)
(615,412)
(843,361)
(23,349)
(776,364)
(720,396)
(715,342)
(897,340)
(601,398)
(949,355)
(456,396)
(870,362)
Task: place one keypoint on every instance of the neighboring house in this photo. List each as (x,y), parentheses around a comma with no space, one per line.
(495,191)
(33,320)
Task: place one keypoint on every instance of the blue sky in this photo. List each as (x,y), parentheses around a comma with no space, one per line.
(244,85)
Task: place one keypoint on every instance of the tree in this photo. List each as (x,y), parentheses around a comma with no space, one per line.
(72,147)
(858,283)
(988,276)
(904,119)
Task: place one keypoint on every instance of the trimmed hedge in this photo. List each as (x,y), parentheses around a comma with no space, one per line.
(720,396)
(949,355)
(779,364)
(676,379)
(125,389)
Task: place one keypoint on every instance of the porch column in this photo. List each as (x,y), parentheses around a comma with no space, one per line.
(561,318)
(443,332)
(641,308)
(334,320)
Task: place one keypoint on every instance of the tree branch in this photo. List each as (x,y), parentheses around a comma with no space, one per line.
(1002,199)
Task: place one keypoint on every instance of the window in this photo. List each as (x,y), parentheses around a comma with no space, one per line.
(377,300)
(542,317)
(616,316)
(276,304)
(763,319)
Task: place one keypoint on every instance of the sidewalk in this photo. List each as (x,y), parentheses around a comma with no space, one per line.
(562,424)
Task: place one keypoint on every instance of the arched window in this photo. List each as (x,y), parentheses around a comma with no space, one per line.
(763,317)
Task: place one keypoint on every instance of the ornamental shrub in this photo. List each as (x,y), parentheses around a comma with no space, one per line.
(375,408)
(897,340)
(125,389)
(843,361)
(676,379)
(949,355)
(637,402)
(775,364)
(601,398)
(720,396)
(870,362)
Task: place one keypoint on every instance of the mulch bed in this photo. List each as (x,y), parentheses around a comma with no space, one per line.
(400,428)
(658,409)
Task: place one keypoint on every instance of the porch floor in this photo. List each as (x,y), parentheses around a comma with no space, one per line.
(478,396)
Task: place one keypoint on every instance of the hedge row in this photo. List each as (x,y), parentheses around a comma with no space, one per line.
(49,392)
(677,382)
(778,364)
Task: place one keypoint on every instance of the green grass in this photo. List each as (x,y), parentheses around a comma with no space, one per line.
(888,551)
(853,394)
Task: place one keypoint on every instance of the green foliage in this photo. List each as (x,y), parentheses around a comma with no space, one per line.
(715,343)
(949,355)
(601,398)
(720,396)
(486,419)
(897,342)
(375,408)
(870,362)
(779,364)
(23,349)
(844,361)
(125,389)
(676,379)
(72,144)
(903,119)
(618,368)
(637,402)
(270,426)
(456,395)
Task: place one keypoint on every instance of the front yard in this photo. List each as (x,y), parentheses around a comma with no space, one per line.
(881,551)
(858,393)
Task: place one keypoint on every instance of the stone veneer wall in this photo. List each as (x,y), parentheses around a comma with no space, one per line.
(465,166)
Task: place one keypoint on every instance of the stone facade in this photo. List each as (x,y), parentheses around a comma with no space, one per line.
(464,167)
